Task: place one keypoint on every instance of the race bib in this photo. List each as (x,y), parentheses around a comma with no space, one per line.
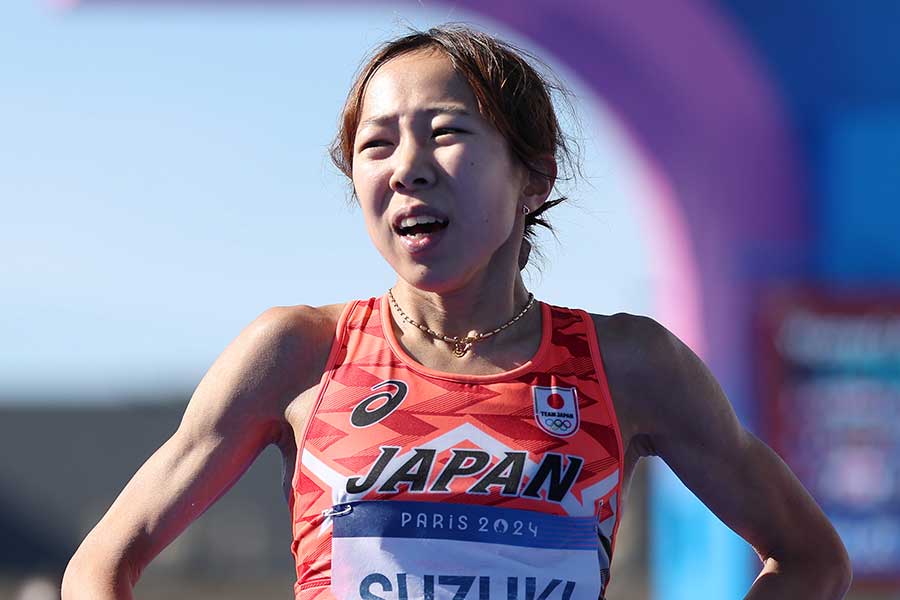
(389,550)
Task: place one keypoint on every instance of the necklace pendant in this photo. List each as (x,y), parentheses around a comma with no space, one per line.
(461,347)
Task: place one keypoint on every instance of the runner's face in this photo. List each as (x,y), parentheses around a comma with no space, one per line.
(431,155)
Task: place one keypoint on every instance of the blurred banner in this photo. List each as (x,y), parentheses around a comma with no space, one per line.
(831,407)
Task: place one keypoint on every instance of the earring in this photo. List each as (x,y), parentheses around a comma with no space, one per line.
(525,209)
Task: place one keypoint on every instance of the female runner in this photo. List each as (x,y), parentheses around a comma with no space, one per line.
(454,437)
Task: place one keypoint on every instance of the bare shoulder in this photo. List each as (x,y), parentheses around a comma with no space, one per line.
(277,356)
(296,331)
(302,338)
(629,342)
(647,367)
(291,344)
(299,322)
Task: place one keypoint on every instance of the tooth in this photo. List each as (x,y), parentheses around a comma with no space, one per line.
(418,220)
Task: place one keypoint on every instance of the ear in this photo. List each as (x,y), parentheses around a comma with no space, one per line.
(538,186)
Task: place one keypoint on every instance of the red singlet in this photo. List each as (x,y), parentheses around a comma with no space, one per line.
(415,484)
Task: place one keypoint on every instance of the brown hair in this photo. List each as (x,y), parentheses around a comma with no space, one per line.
(511,92)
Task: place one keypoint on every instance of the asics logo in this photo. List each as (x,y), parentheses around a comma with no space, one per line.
(363,415)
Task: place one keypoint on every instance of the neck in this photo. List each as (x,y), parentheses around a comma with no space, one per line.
(460,312)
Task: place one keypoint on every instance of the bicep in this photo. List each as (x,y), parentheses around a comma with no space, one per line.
(737,476)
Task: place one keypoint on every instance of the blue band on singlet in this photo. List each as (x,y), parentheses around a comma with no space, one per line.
(463,522)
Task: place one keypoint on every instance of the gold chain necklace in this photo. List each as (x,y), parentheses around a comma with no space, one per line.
(463,344)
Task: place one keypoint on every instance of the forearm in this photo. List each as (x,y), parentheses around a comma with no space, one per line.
(802,579)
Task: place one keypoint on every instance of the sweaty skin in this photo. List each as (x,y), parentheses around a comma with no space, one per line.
(419,150)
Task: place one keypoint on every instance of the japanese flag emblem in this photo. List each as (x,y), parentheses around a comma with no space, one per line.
(556,410)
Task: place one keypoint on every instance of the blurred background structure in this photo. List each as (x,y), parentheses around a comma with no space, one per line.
(164,179)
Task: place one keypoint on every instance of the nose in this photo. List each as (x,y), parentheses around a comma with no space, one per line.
(413,168)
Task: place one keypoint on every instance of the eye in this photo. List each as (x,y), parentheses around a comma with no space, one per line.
(373,144)
(446,131)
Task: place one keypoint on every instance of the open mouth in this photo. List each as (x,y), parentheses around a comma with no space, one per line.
(420,226)
(419,233)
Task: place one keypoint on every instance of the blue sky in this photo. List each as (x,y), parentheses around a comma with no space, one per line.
(164,179)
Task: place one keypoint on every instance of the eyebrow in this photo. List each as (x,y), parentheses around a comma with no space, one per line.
(434,110)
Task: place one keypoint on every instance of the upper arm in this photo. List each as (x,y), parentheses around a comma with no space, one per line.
(691,425)
(235,412)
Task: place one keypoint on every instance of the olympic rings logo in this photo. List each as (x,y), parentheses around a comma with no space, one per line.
(557,424)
